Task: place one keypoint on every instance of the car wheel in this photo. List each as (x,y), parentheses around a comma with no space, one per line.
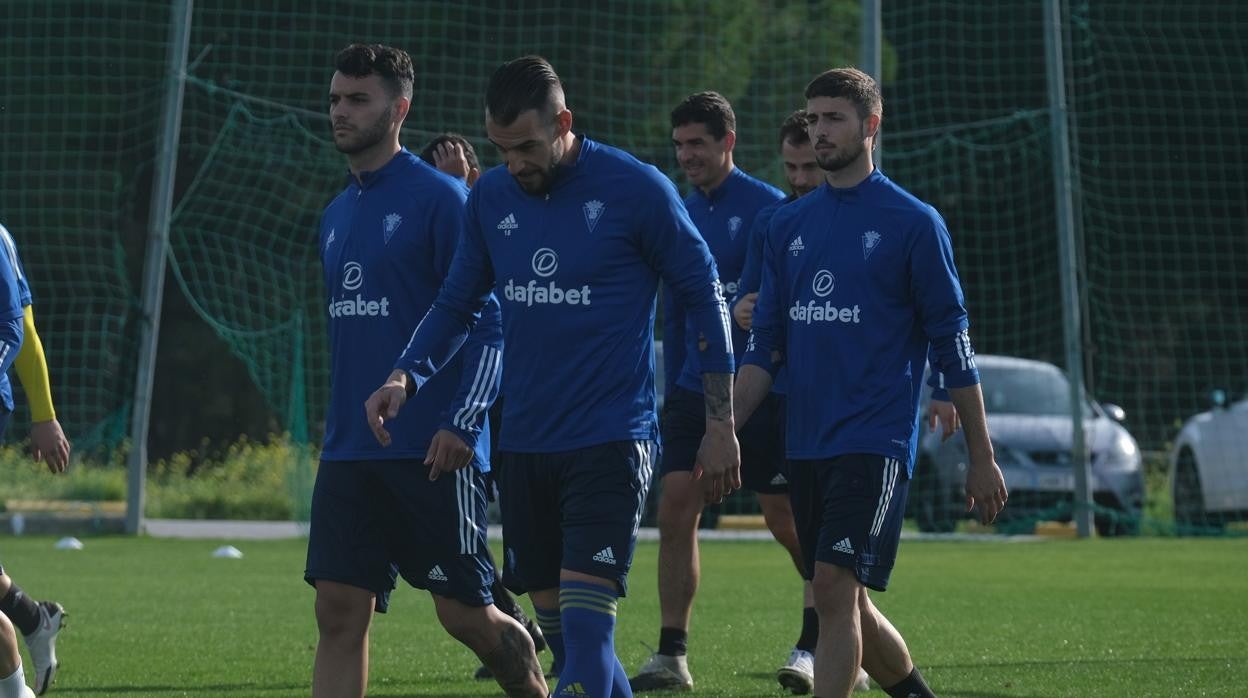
(1189,503)
(931,506)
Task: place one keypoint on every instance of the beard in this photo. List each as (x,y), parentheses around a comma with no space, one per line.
(538,180)
(840,158)
(362,139)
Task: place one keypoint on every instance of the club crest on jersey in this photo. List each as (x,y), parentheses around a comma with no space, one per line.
(593,211)
(870,241)
(734,227)
(389,224)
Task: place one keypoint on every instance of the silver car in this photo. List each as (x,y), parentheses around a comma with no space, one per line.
(1209,466)
(1029,421)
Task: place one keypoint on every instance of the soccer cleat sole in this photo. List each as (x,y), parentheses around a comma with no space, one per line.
(795,682)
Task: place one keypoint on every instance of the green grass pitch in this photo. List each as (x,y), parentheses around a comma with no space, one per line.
(1141,617)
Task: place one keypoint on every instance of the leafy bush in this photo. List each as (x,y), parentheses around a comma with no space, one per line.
(250,480)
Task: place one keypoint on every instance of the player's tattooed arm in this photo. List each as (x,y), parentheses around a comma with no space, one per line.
(515,666)
(718,463)
(718,390)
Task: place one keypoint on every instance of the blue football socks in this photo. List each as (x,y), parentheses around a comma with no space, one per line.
(591,669)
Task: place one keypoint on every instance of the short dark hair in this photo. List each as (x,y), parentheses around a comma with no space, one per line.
(470,154)
(709,108)
(793,130)
(852,84)
(528,82)
(393,65)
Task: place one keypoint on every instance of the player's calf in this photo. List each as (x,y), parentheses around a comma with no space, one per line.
(502,645)
(514,665)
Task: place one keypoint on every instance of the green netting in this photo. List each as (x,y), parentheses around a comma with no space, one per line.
(1160,210)
(1156,93)
(78,106)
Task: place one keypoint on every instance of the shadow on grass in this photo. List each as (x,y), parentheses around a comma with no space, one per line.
(1101,661)
(413,688)
(244,688)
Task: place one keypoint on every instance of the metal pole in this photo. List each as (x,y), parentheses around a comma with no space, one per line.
(1068,260)
(872,43)
(154,263)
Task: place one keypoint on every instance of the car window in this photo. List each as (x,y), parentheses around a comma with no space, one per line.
(1026,390)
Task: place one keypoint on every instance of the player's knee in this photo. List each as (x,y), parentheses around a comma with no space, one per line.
(778,515)
(836,591)
(457,622)
(470,625)
(867,613)
(342,615)
(680,504)
(9,657)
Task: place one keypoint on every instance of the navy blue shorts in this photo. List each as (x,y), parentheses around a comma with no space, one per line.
(848,511)
(763,467)
(375,520)
(577,510)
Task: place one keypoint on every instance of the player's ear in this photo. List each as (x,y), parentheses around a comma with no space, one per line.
(563,122)
(401,106)
(871,126)
(730,140)
(473,174)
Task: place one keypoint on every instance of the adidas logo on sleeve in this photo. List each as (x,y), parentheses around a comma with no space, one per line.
(606,556)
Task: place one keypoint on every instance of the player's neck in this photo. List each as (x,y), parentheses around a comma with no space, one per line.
(571,149)
(710,187)
(374,158)
(852,174)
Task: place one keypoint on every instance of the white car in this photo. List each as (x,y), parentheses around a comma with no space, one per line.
(1209,465)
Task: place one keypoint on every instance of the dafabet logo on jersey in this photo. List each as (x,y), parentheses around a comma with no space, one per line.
(545,263)
(353,280)
(822,286)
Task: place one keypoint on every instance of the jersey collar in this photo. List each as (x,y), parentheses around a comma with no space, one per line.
(858,190)
(718,193)
(367,180)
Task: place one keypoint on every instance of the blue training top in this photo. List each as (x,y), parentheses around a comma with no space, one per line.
(14,297)
(855,284)
(724,218)
(387,242)
(576,271)
(751,280)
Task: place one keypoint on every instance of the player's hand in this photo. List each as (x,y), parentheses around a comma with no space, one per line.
(447,453)
(48,442)
(985,487)
(384,404)
(718,463)
(943,411)
(449,158)
(743,311)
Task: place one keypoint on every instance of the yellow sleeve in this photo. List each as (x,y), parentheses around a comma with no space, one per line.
(32,371)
